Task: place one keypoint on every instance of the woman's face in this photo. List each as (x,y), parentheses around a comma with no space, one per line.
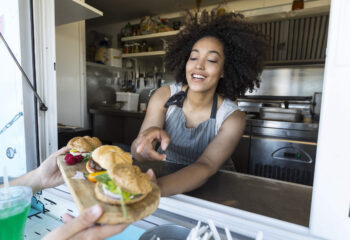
(205,65)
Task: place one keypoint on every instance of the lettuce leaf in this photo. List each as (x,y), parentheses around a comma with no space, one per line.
(87,157)
(111,186)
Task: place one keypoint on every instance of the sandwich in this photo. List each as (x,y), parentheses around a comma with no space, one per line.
(108,157)
(81,148)
(122,183)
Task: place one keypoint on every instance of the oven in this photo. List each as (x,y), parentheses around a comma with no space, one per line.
(283,150)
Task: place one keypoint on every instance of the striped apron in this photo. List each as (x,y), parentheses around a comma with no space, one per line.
(188,144)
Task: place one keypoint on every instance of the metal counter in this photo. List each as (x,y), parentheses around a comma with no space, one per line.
(273,198)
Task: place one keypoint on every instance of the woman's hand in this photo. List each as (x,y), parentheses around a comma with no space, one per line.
(50,175)
(83,227)
(144,144)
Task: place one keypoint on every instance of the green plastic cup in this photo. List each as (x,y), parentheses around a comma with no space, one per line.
(14,208)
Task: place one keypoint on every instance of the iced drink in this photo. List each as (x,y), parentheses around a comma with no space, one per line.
(14,208)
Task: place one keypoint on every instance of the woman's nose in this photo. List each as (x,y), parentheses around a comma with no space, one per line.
(200,64)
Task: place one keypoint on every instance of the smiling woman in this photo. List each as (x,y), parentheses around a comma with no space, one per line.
(196,121)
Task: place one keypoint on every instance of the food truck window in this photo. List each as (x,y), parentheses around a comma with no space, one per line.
(17,114)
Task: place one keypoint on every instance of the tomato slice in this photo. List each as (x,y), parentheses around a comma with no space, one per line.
(92,176)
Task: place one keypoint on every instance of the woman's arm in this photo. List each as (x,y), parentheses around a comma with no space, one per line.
(217,152)
(151,130)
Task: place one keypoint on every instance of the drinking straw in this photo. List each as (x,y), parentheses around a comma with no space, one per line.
(6,180)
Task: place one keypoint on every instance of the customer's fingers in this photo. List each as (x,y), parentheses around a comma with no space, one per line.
(61,151)
(100,232)
(67,217)
(82,222)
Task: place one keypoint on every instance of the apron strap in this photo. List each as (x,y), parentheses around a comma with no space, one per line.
(179,98)
(214,106)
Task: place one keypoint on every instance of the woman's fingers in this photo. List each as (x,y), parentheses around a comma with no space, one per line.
(100,232)
(154,155)
(152,175)
(85,220)
(140,148)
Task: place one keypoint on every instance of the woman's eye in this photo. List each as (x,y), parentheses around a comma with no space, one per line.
(193,58)
(212,61)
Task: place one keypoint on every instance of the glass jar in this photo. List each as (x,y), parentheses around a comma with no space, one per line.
(130,47)
(143,47)
(126,48)
(298,4)
(136,48)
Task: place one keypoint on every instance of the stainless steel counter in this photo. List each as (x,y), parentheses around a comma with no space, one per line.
(273,198)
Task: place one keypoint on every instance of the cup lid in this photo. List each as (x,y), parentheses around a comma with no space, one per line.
(15,193)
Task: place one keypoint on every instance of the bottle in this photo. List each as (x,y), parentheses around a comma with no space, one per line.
(101,53)
(297,4)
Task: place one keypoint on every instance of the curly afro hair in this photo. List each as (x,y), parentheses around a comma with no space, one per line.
(244,48)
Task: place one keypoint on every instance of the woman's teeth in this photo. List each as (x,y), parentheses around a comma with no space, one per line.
(197,76)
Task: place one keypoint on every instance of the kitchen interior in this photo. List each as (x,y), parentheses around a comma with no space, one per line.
(108,67)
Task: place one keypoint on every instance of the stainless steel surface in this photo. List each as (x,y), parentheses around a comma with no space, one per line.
(166,232)
(317,103)
(280,114)
(268,197)
(312,127)
(292,161)
(290,81)
(282,150)
(279,110)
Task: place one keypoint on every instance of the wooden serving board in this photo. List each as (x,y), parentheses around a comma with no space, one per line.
(83,194)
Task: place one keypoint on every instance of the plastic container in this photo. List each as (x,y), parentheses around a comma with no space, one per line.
(131,100)
(14,208)
(114,57)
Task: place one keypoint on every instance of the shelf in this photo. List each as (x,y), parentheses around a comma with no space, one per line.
(153,35)
(284,12)
(102,66)
(143,54)
(69,11)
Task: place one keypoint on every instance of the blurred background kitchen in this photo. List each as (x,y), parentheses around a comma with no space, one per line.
(114,64)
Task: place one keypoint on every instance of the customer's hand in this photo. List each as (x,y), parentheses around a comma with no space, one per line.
(48,172)
(83,227)
(144,143)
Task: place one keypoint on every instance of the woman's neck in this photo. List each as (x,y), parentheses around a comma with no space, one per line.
(200,100)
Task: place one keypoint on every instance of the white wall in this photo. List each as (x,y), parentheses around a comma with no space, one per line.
(331,195)
(70,68)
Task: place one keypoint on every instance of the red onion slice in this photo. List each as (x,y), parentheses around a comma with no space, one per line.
(110,194)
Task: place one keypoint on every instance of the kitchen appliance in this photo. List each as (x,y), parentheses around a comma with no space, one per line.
(131,100)
(279,108)
(283,150)
(281,114)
